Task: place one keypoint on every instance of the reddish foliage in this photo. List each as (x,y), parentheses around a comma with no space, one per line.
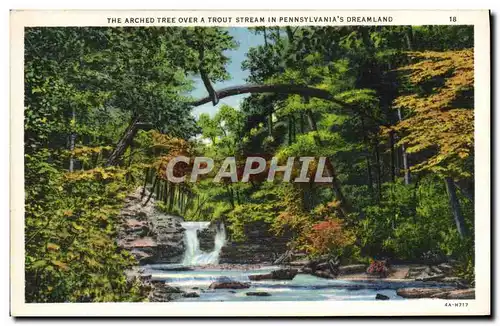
(378,267)
(328,236)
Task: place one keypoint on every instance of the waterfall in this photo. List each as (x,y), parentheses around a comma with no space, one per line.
(193,254)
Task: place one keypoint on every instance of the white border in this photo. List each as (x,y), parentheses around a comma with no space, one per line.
(479,306)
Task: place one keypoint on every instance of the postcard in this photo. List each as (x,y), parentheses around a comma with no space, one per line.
(250,163)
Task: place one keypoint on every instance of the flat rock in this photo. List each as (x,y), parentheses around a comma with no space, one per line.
(229,285)
(417,293)
(456,294)
(352,269)
(174,268)
(258,294)
(280,274)
(142,242)
(428,278)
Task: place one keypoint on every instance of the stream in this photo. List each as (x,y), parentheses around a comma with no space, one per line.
(199,269)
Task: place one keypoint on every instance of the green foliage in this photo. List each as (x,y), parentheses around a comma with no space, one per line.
(70,230)
(410,223)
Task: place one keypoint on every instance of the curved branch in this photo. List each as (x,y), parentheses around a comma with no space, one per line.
(283,89)
(278,88)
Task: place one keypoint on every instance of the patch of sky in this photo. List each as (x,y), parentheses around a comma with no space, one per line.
(245,39)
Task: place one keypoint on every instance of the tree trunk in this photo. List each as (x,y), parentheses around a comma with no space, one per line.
(123,143)
(301,122)
(181,201)
(379,170)
(405,156)
(289,33)
(72,139)
(238,199)
(151,192)
(455,207)
(165,194)
(368,163)
(393,157)
(270,124)
(146,176)
(230,195)
(409,44)
(171,199)
(409,38)
(369,174)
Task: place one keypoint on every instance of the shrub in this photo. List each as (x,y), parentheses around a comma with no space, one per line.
(379,268)
(329,238)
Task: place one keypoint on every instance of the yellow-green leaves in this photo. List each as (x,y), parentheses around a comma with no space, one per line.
(52,246)
(441,123)
(60,265)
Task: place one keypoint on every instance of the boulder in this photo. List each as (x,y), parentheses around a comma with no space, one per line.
(258,294)
(162,292)
(229,285)
(280,274)
(191,295)
(381,297)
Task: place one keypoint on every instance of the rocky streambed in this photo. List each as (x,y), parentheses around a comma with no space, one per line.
(199,264)
(274,283)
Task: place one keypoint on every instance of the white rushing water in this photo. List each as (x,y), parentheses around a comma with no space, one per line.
(302,288)
(194,255)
